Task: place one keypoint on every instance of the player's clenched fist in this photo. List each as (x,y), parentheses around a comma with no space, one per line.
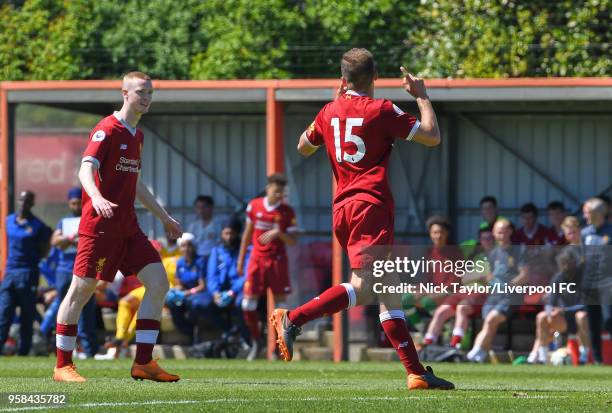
(103,206)
(413,85)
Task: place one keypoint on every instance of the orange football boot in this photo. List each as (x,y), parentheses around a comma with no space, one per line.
(152,371)
(286,333)
(67,374)
(428,381)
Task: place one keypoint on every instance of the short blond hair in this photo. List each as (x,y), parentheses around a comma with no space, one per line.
(570,222)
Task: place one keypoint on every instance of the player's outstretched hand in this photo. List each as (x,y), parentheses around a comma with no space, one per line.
(413,85)
(103,206)
(173,228)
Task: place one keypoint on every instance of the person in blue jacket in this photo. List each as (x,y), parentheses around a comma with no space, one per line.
(223,281)
(28,242)
(65,240)
(190,286)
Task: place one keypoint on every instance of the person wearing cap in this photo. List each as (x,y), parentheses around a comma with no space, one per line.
(223,280)
(28,242)
(189,282)
(65,238)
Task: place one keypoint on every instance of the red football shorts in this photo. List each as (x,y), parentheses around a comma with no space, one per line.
(360,225)
(100,258)
(267,272)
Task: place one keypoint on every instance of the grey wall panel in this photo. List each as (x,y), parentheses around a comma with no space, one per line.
(573,151)
(231,148)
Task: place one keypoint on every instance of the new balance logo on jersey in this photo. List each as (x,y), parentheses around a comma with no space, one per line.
(123,146)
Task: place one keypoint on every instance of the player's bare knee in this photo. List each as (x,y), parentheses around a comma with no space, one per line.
(154,279)
(362,284)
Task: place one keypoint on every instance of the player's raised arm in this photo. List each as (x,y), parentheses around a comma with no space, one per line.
(101,205)
(173,228)
(428,132)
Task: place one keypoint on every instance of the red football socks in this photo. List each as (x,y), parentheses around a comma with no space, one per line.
(65,341)
(394,324)
(334,299)
(573,349)
(146,337)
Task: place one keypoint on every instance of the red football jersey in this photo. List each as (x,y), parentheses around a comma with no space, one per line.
(266,217)
(358,132)
(115,148)
(538,237)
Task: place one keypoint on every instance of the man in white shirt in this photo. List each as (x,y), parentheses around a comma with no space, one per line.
(206,229)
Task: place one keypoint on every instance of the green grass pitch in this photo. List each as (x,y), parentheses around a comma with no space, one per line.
(229,385)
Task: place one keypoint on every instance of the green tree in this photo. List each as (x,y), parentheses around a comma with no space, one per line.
(513,38)
(48,40)
(158,37)
(246,39)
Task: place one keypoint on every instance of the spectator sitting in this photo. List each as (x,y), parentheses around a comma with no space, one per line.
(507,267)
(223,280)
(488,212)
(189,285)
(206,229)
(563,312)
(597,281)
(463,306)
(571,231)
(556,214)
(531,233)
(439,230)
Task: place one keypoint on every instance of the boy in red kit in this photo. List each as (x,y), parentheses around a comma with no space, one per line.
(358,133)
(270,224)
(109,236)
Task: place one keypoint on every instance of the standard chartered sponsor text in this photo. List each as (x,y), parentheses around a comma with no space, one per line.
(128,165)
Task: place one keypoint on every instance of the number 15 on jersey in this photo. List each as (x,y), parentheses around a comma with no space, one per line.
(348,137)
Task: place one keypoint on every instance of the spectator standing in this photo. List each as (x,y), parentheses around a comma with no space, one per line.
(28,242)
